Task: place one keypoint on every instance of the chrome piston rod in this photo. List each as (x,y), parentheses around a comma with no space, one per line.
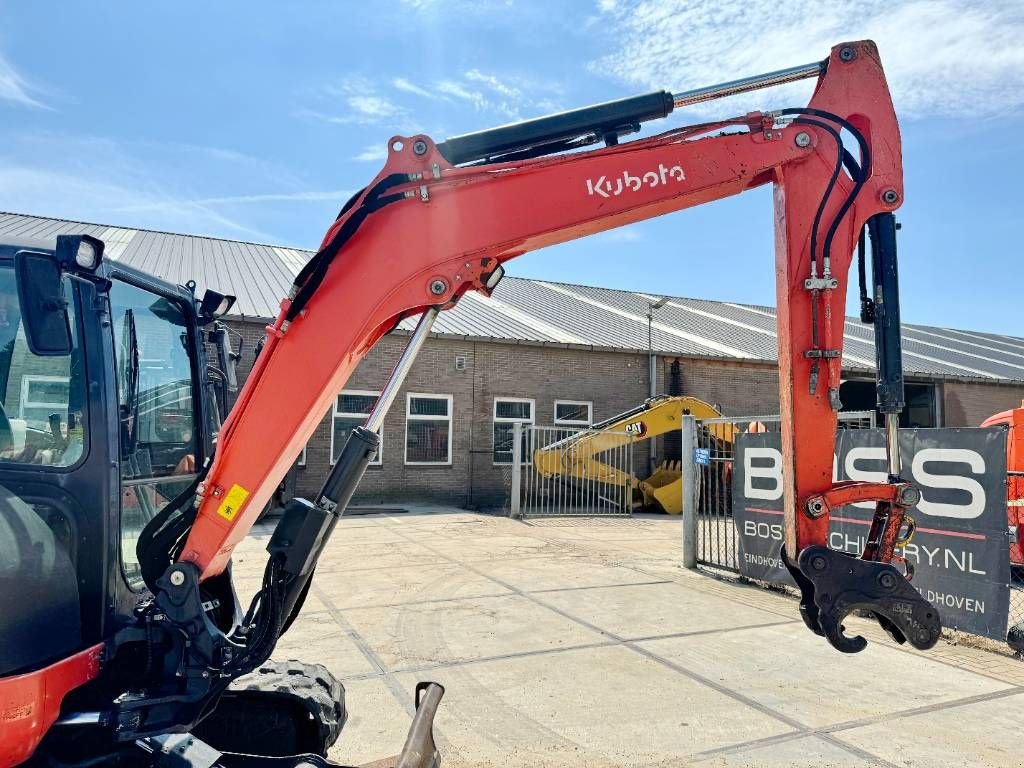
(364,442)
(747,84)
(376,418)
(892,443)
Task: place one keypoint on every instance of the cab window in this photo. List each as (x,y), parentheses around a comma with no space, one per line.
(43,398)
(155,407)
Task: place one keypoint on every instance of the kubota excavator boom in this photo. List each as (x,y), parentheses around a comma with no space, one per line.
(441,219)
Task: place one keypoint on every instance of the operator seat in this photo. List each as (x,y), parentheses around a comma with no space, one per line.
(40,620)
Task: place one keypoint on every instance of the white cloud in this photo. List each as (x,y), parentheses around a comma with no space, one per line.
(401,84)
(373,107)
(93,199)
(506,107)
(624,235)
(460,7)
(14,88)
(372,153)
(372,102)
(492,82)
(149,184)
(359,99)
(314,114)
(945,57)
(459,91)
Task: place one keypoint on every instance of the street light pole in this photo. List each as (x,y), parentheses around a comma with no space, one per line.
(651,365)
(652,361)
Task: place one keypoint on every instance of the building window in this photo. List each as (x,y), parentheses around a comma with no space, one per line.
(351,408)
(301,461)
(507,412)
(428,429)
(43,395)
(921,408)
(574,413)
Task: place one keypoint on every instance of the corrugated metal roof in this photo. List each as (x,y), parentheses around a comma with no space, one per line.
(537,311)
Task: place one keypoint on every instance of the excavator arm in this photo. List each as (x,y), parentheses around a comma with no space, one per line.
(426,231)
(441,219)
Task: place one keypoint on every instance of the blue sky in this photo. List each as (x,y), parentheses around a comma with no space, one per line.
(254,120)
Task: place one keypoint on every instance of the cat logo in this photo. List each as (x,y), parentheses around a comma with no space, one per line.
(636,428)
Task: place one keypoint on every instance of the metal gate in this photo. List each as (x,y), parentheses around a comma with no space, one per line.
(569,472)
(716,541)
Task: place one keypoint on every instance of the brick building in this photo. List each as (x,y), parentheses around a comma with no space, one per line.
(546,353)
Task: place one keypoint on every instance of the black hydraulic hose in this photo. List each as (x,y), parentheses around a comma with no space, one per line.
(376,190)
(851,165)
(829,187)
(349,203)
(161,540)
(867,309)
(858,181)
(312,274)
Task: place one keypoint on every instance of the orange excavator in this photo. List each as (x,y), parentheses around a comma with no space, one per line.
(122,640)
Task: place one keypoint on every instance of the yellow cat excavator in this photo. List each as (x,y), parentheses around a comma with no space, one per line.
(579,456)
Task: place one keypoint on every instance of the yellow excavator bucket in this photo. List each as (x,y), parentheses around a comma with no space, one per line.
(664,488)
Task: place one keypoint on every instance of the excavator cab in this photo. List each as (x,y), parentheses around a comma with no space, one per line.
(103,419)
(105,414)
(109,411)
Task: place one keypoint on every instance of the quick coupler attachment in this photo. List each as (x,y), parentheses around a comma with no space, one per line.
(834,584)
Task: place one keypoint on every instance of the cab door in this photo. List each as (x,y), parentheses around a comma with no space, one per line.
(160,410)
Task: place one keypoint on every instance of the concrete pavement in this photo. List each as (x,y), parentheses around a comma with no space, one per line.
(581,642)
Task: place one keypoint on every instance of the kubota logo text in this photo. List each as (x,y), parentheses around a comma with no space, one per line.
(605,187)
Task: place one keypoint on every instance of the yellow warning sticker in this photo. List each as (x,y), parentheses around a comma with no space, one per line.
(232,502)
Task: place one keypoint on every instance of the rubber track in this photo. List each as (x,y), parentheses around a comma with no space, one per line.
(310,687)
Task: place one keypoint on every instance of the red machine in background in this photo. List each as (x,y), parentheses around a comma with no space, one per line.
(1014,421)
(440,220)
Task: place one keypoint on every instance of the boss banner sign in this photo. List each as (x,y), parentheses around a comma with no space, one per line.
(960,552)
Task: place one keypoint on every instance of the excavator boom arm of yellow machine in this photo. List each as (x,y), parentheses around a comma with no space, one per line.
(577,455)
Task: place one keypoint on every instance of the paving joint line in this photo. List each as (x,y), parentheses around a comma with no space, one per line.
(895,647)
(863,754)
(402,696)
(718,631)
(926,709)
(848,725)
(416,669)
(324,570)
(546,590)
(694,676)
(825,733)
(410,603)
(432,601)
